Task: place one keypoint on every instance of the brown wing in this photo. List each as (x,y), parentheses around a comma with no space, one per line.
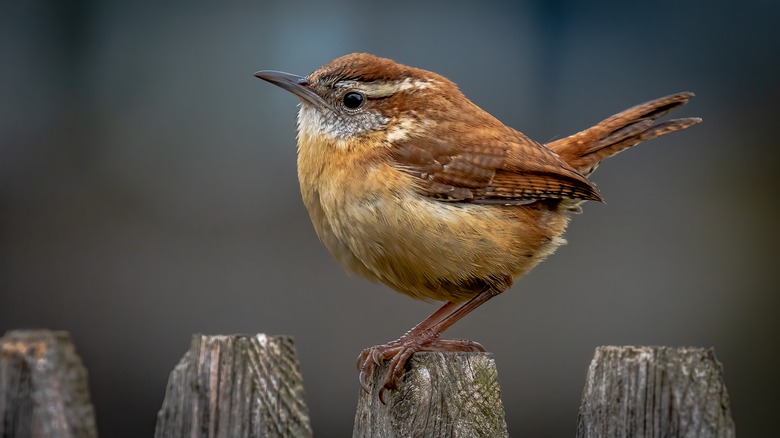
(510,169)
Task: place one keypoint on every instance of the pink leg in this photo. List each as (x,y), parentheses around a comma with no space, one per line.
(376,354)
(423,337)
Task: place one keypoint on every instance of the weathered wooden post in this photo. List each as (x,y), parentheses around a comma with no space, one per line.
(443,394)
(43,387)
(235,386)
(655,392)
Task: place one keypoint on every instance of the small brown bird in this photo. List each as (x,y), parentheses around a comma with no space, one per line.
(409,183)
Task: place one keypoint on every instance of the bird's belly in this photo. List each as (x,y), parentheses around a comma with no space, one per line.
(438,250)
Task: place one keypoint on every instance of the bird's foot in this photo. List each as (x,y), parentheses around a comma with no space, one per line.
(398,353)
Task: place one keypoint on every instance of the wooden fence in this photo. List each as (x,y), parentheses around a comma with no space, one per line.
(251,386)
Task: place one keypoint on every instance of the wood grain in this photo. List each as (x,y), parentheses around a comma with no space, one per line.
(43,387)
(443,394)
(655,392)
(235,386)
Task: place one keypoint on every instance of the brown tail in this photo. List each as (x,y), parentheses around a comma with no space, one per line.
(585,150)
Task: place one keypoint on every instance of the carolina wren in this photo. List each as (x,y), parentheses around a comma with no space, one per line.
(409,183)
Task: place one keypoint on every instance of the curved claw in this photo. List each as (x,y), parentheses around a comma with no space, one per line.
(375,356)
(361,359)
(369,359)
(399,352)
(366,367)
(362,378)
(382,395)
(397,366)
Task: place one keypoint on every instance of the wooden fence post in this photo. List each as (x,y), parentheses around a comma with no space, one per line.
(655,392)
(250,386)
(43,387)
(237,386)
(443,394)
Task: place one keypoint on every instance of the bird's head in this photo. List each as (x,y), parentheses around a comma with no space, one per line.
(360,95)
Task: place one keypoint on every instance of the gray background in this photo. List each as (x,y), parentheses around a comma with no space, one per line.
(148,190)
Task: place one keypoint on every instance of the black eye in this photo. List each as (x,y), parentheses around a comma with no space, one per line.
(353,100)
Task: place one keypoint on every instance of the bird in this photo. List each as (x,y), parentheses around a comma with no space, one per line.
(409,183)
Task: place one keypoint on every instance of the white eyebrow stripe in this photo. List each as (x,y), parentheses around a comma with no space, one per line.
(384,89)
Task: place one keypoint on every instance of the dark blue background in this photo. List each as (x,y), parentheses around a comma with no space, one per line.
(148,190)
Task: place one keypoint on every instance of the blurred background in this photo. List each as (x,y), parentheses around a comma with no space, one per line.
(148,190)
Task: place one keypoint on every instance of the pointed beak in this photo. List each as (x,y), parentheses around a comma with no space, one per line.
(296,85)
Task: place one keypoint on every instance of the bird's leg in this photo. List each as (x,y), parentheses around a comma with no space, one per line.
(423,337)
(370,357)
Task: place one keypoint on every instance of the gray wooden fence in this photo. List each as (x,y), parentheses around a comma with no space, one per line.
(251,386)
